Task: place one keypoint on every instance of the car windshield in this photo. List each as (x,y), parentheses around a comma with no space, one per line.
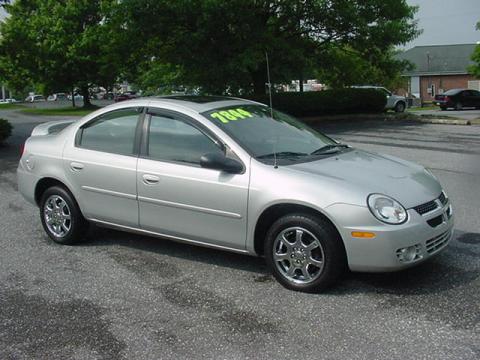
(265,138)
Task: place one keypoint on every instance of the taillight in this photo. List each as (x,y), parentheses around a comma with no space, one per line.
(446,98)
(22,149)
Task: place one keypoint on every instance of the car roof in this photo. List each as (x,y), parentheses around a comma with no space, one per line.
(200,103)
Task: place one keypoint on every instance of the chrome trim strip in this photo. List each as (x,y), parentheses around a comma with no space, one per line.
(170,237)
(109,192)
(190,207)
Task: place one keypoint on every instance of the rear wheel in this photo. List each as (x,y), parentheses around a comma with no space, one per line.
(443,108)
(400,107)
(304,252)
(61,217)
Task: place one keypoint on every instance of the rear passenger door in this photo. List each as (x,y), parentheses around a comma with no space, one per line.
(179,198)
(102,166)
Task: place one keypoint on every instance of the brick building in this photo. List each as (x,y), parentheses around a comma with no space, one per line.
(438,68)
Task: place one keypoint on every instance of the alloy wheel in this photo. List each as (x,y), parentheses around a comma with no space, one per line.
(57,215)
(298,255)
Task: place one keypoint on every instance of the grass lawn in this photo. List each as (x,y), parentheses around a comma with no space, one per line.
(10,106)
(66,111)
(432,107)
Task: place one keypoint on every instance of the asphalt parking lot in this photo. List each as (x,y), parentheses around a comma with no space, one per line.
(120,295)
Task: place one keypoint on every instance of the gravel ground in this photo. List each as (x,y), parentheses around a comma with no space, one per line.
(120,295)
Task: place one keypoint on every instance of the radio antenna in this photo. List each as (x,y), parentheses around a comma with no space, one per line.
(269,84)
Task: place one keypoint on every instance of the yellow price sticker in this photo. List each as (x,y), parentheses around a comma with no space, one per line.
(225,116)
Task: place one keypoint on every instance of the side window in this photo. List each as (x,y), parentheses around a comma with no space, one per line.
(171,139)
(113,132)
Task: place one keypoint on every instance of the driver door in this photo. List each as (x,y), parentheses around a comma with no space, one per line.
(179,198)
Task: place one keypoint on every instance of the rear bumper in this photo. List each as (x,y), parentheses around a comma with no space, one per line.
(26,183)
(442,103)
(383,252)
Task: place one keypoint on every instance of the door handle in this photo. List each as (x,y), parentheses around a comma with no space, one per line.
(150,179)
(75,166)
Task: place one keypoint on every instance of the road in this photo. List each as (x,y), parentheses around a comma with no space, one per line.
(125,296)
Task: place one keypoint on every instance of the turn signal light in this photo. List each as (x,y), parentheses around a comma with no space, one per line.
(363,234)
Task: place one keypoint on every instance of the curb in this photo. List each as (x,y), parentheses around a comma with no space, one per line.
(445,121)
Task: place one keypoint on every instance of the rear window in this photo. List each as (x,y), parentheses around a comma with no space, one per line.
(452,92)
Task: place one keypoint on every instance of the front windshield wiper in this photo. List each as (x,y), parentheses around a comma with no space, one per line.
(329,149)
(282,154)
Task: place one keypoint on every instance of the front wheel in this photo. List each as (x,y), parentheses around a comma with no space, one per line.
(304,252)
(400,107)
(61,217)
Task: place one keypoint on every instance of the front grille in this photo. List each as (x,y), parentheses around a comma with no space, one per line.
(438,242)
(437,220)
(431,205)
(443,199)
(427,207)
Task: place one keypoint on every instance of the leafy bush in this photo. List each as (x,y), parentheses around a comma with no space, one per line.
(5,130)
(328,102)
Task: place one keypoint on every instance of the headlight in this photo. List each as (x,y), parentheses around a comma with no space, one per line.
(386,209)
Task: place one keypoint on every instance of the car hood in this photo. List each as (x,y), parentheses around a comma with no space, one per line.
(369,173)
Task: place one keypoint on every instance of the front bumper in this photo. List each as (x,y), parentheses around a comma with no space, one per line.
(383,252)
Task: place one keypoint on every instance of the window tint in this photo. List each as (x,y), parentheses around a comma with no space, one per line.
(175,140)
(113,132)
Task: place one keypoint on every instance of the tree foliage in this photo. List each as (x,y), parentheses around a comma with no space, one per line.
(346,66)
(221,45)
(217,45)
(60,44)
(475,68)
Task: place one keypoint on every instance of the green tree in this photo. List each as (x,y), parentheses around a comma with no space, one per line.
(475,68)
(346,66)
(221,45)
(60,44)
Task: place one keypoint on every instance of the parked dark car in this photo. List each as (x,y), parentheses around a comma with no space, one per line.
(125,96)
(458,99)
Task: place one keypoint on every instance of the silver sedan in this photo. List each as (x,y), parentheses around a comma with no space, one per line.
(235,175)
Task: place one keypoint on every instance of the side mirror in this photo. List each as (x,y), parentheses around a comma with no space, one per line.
(220,162)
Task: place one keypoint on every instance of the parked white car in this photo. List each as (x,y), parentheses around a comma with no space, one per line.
(394,102)
(35,98)
(8,101)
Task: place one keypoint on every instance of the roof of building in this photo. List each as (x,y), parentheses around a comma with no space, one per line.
(439,59)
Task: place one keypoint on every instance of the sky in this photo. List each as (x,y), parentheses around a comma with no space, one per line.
(443,21)
(447,22)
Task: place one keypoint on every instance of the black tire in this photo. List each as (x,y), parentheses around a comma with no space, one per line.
(443,108)
(78,226)
(334,257)
(400,106)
